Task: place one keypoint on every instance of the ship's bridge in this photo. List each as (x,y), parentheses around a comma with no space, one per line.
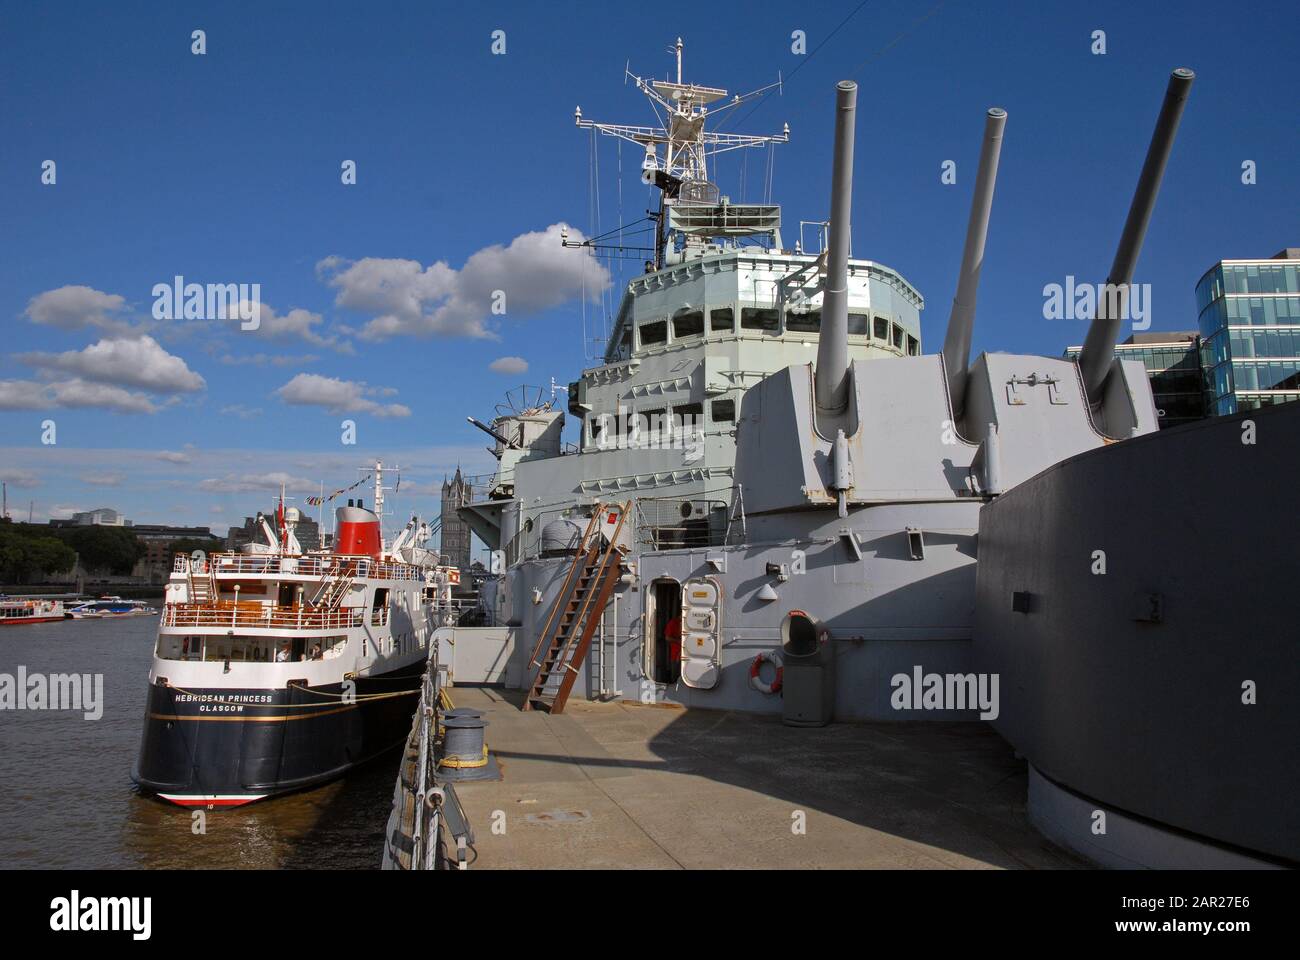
(692,337)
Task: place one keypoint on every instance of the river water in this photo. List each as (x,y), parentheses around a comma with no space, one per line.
(67,800)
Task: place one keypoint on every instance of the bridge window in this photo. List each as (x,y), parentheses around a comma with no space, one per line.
(898,336)
(649,422)
(656,332)
(809,322)
(859,325)
(756,318)
(882,329)
(913,346)
(724,411)
(688,416)
(688,323)
(722,318)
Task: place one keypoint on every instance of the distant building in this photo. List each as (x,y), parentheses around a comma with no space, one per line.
(157,561)
(1250,332)
(104,516)
(307,531)
(1173,362)
(455,531)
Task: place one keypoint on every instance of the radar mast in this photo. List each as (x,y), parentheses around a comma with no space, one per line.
(677,160)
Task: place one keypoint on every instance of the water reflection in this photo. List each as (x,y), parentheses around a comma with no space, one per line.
(66,797)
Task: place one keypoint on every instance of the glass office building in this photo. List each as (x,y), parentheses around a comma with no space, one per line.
(1173,362)
(1250,332)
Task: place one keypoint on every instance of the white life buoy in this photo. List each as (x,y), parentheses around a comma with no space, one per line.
(756,681)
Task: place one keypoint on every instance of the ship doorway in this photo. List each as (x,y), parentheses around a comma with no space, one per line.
(664,631)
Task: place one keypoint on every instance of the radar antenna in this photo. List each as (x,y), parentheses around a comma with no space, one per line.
(677,160)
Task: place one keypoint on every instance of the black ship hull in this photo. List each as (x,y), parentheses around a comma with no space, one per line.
(228,747)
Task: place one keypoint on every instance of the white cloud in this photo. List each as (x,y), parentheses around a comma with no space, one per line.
(509,365)
(137,362)
(172,456)
(73,307)
(338,396)
(103,479)
(34,395)
(241,411)
(274,359)
(297,324)
(535,273)
(250,482)
(20,478)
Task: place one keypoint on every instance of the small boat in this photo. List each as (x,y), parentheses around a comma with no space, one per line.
(107,607)
(15,611)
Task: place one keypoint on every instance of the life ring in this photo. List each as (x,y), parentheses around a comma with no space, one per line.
(756,681)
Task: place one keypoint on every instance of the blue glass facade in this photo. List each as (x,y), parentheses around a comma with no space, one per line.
(1173,363)
(1249,318)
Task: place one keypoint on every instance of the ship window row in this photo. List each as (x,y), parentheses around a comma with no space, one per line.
(657,420)
(688,324)
(214,649)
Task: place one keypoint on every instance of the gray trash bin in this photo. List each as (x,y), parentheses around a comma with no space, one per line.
(808,681)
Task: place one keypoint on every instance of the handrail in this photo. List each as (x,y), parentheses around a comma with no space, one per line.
(624,509)
(306,565)
(265,616)
(579,560)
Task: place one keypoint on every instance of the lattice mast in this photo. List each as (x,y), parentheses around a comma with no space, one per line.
(679,150)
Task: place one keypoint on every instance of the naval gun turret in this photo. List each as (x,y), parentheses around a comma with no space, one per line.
(935,429)
(526,427)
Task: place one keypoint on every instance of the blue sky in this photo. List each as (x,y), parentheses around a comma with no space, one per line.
(225,168)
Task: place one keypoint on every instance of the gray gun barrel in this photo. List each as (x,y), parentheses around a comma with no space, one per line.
(490,432)
(961,322)
(833,345)
(1099,346)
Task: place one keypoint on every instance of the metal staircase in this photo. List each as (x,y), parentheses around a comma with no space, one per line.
(333,587)
(202,590)
(573,620)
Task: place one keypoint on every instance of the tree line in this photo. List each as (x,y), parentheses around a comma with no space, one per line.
(29,550)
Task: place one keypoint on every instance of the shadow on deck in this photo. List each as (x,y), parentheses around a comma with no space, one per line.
(610,785)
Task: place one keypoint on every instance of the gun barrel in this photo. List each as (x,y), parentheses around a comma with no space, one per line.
(1099,345)
(961,322)
(490,432)
(833,346)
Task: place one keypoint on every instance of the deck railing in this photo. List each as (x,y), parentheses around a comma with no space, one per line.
(306,565)
(260,616)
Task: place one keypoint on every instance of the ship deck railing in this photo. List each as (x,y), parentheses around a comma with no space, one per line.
(264,616)
(296,565)
(660,523)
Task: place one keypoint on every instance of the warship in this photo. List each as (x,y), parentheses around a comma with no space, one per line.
(775,500)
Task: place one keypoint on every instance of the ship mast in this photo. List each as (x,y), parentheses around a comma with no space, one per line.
(677,155)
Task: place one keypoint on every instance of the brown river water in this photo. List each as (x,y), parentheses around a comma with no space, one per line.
(67,800)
